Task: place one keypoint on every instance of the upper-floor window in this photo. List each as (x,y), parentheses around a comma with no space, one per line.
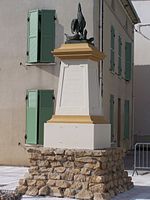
(119,55)
(40,36)
(128,61)
(112,49)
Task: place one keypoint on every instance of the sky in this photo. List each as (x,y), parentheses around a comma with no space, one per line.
(142,44)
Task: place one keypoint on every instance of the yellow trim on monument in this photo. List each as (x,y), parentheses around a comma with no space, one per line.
(77,119)
(78,51)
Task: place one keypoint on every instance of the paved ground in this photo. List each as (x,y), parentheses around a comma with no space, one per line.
(9,177)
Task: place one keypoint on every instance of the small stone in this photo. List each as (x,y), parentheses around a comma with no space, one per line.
(98,179)
(59,151)
(41,177)
(98,153)
(99,172)
(103,159)
(68,164)
(79,177)
(54,176)
(44,191)
(84,194)
(85,160)
(45,170)
(69,193)
(31,182)
(60,158)
(68,176)
(47,151)
(85,171)
(70,152)
(104,165)
(42,163)
(32,191)
(62,184)
(102,196)
(49,158)
(55,164)
(76,186)
(60,169)
(22,189)
(93,166)
(112,193)
(98,188)
(33,169)
(40,184)
(56,192)
(23,182)
(51,183)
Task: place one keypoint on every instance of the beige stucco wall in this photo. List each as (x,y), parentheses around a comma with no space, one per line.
(16,79)
(113,84)
(142,74)
(142,102)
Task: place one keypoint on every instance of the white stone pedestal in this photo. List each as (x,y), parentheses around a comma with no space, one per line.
(78,120)
(77,136)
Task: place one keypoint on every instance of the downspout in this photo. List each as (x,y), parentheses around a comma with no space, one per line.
(132,114)
(101,44)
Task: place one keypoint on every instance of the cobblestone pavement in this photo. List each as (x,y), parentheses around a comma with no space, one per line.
(9,177)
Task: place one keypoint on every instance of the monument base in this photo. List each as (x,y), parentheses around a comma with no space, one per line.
(77,136)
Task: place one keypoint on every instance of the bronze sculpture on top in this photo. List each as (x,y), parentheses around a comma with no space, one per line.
(78,29)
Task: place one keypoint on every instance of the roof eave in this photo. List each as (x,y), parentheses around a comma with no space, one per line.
(131,11)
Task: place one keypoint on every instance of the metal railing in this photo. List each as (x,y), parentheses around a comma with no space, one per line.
(141,157)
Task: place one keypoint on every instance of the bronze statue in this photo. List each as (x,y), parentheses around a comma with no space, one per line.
(78,29)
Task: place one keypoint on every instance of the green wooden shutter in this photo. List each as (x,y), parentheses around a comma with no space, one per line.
(112,116)
(47,35)
(32,36)
(126,119)
(119,56)
(46,110)
(31,116)
(128,61)
(112,49)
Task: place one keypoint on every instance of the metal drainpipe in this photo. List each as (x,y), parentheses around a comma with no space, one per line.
(132,115)
(101,21)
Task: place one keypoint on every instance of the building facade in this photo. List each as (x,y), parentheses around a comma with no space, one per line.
(141,74)
(28,29)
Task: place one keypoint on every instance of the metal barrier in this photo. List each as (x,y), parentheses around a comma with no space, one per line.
(141,157)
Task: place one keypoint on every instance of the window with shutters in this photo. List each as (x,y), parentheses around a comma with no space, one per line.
(112,49)
(40,36)
(126,119)
(119,56)
(128,61)
(39,109)
(111,117)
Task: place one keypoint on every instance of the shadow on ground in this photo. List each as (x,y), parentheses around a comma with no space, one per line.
(129,160)
(136,193)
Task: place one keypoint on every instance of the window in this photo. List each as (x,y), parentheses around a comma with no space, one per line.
(119,56)
(39,109)
(113,4)
(40,36)
(112,49)
(112,116)
(126,119)
(128,61)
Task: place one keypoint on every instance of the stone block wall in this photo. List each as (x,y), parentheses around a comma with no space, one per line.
(80,174)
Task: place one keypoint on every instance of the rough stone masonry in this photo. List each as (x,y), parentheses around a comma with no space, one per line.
(80,174)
